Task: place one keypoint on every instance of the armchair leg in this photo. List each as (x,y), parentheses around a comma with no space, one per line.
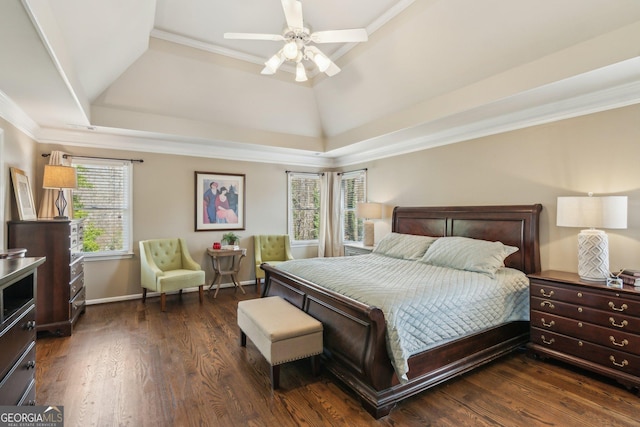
(258,280)
(201,293)
(144,295)
(163,301)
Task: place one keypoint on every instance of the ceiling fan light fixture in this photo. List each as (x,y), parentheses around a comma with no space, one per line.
(321,61)
(274,62)
(290,50)
(301,74)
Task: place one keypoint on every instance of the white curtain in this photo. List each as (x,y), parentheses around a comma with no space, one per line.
(330,241)
(48,201)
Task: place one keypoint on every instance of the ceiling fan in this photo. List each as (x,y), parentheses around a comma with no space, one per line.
(296,39)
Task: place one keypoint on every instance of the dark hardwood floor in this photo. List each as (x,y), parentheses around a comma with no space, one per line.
(129,364)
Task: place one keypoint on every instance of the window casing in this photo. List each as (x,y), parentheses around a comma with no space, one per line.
(353,189)
(104,200)
(303,216)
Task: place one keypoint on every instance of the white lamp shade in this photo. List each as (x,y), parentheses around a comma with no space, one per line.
(369,210)
(592,212)
(58,177)
(593,245)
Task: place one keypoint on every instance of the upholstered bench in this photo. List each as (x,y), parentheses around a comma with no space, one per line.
(282,332)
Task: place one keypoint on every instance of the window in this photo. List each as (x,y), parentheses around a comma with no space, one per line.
(353,189)
(304,207)
(103,199)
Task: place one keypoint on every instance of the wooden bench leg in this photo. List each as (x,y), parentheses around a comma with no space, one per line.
(315,365)
(275,377)
(243,339)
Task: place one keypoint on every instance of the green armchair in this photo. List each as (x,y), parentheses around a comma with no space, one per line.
(165,266)
(272,249)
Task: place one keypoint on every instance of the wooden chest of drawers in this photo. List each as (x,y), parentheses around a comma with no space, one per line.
(61,291)
(586,324)
(18,279)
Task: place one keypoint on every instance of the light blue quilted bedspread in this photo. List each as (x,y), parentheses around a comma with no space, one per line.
(424,305)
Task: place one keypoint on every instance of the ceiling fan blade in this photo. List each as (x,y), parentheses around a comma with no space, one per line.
(253,36)
(340,36)
(293,13)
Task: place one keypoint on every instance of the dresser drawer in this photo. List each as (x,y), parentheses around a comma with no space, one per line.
(604,300)
(16,338)
(17,381)
(76,268)
(29,396)
(77,305)
(609,318)
(76,285)
(609,358)
(606,336)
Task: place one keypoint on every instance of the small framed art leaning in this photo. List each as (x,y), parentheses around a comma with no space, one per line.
(219,201)
(24,198)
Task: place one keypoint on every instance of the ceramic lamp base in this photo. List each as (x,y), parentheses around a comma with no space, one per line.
(593,255)
(368,233)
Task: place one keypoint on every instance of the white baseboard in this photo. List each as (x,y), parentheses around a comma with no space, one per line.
(157,294)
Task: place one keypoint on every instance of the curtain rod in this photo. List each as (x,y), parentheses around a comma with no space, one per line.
(306,173)
(356,170)
(64,156)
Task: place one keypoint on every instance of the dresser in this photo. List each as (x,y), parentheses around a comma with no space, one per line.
(352,249)
(61,290)
(18,279)
(586,324)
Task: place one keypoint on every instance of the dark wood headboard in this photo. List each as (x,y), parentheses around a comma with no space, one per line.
(515,225)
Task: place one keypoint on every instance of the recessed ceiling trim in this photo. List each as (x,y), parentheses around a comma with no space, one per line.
(10,111)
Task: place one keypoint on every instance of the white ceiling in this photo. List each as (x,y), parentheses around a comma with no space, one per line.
(157,75)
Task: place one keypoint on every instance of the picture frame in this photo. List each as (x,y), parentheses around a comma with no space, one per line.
(219,201)
(24,197)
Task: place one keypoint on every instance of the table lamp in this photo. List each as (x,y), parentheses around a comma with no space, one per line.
(593,245)
(368,211)
(60,178)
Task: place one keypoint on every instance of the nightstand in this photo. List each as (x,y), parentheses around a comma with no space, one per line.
(357,249)
(586,324)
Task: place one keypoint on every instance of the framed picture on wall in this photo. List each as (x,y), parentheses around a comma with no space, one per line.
(219,201)
(24,198)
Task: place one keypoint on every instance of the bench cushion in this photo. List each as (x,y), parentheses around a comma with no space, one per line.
(279,330)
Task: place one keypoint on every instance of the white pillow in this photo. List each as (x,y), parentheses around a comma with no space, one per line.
(463,253)
(404,246)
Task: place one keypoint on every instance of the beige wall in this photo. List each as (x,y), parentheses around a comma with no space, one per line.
(594,153)
(535,165)
(163,206)
(16,151)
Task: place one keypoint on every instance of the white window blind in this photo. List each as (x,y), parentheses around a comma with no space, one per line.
(103,199)
(353,188)
(304,207)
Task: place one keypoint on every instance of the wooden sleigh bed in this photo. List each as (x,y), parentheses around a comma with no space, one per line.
(355,349)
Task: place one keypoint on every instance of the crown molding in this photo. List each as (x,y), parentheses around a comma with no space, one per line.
(10,111)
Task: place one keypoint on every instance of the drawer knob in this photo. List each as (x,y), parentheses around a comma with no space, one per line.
(619,344)
(548,325)
(618,325)
(622,364)
(31,325)
(30,364)
(550,294)
(547,304)
(613,306)
(544,340)
(579,309)
(579,294)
